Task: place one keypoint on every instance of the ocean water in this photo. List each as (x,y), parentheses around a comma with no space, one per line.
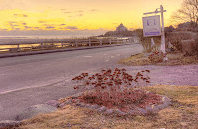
(44,37)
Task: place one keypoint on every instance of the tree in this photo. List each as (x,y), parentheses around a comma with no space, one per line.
(187,13)
(169,29)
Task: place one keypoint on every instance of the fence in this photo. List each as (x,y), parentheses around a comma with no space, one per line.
(17,45)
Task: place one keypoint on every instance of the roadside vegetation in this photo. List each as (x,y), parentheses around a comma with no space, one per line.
(181,49)
(181,114)
(173,59)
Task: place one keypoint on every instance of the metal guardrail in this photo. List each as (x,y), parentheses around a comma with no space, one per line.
(17,45)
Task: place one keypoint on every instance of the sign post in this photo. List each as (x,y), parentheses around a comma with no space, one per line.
(154,29)
(163,35)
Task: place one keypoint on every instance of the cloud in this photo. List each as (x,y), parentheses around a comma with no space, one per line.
(67,12)
(24,24)
(42,21)
(80,15)
(36,27)
(20,15)
(62,24)
(71,28)
(27,27)
(3,29)
(94,10)
(80,11)
(11,22)
(49,27)
(16,28)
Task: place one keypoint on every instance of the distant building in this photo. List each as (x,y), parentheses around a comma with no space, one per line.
(121,28)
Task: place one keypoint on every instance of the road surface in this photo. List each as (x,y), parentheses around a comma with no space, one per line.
(44,69)
(29,80)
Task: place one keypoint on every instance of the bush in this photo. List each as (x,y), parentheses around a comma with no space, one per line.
(188,47)
(146,41)
(195,49)
(156,57)
(176,37)
(116,89)
(111,82)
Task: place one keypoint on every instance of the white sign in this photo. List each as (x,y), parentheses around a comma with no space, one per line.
(151,26)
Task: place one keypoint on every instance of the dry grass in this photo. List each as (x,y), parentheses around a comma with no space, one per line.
(173,59)
(138,59)
(183,113)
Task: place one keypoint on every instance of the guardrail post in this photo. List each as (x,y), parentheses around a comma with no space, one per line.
(101,42)
(41,45)
(76,43)
(117,41)
(18,47)
(109,41)
(89,42)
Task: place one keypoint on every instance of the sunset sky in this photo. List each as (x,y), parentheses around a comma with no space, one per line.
(79,14)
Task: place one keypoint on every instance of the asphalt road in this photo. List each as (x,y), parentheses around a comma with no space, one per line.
(44,69)
(29,80)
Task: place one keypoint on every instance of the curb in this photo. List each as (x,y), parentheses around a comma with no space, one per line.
(57,50)
(9,124)
(150,109)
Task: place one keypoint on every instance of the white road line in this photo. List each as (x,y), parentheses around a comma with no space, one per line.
(87,56)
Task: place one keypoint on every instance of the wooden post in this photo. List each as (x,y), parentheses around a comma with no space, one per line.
(76,43)
(41,45)
(101,42)
(62,45)
(89,42)
(162,32)
(18,47)
(109,41)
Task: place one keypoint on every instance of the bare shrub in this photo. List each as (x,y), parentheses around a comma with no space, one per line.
(176,37)
(156,57)
(195,49)
(112,82)
(146,41)
(188,47)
